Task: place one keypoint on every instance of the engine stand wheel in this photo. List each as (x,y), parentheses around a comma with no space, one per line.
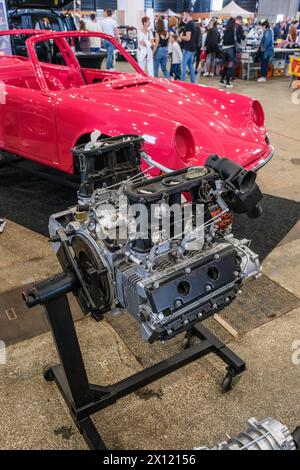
(231,379)
(48,373)
(187,341)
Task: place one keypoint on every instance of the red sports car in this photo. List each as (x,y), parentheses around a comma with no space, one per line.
(47,108)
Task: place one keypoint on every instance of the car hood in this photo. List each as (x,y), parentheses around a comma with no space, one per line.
(220,122)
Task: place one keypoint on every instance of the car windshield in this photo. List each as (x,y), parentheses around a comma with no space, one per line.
(91,52)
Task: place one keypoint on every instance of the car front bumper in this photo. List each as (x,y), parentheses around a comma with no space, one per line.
(263,160)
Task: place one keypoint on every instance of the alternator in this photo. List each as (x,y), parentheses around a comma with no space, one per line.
(268,434)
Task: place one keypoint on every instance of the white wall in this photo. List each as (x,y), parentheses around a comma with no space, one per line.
(134,11)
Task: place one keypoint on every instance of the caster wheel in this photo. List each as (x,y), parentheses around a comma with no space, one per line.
(230,381)
(48,373)
(227,383)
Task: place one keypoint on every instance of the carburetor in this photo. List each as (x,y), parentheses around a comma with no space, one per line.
(162,248)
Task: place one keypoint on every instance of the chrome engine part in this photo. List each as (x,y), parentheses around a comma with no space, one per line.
(162,248)
(268,434)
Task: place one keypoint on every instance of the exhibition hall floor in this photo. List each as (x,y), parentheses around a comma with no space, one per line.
(187,408)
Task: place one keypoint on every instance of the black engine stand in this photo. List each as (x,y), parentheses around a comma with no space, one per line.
(84,399)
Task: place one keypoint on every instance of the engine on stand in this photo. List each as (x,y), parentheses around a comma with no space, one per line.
(161,248)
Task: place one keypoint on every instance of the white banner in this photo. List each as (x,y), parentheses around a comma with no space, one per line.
(5,45)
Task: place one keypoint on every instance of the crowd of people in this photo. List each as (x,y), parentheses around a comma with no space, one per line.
(197,48)
(107,25)
(179,45)
(208,48)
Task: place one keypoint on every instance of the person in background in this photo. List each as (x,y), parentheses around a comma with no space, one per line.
(240,30)
(211,46)
(188,38)
(176,57)
(94,26)
(228,53)
(266,50)
(285,29)
(239,39)
(278,31)
(293,32)
(173,25)
(160,51)
(199,44)
(145,43)
(156,18)
(85,43)
(109,26)
(166,22)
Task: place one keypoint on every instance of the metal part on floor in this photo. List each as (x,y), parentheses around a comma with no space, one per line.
(84,399)
(268,434)
(2,225)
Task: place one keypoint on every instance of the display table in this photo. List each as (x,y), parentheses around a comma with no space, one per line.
(248,56)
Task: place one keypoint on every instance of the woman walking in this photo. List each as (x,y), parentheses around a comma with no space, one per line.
(211,46)
(228,54)
(161,49)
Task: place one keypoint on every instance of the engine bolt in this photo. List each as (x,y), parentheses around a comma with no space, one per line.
(156,285)
(215,306)
(178,303)
(227,300)
(188,270)
(216,257)
(208,287)
(200,315)
(236,274)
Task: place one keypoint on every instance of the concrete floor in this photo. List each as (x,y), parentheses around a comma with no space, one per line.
(187,408)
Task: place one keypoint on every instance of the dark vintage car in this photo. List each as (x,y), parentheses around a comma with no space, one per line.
(45,15)
(128,39)
(38,15)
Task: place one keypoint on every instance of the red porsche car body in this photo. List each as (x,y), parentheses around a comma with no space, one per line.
(46,109)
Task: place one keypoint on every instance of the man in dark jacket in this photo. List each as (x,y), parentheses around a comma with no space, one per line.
(240,30)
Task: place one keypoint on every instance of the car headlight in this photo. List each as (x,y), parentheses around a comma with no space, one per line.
(258,114)
(184,143)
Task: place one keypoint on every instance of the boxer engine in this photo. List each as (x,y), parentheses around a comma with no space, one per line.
(161,248)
